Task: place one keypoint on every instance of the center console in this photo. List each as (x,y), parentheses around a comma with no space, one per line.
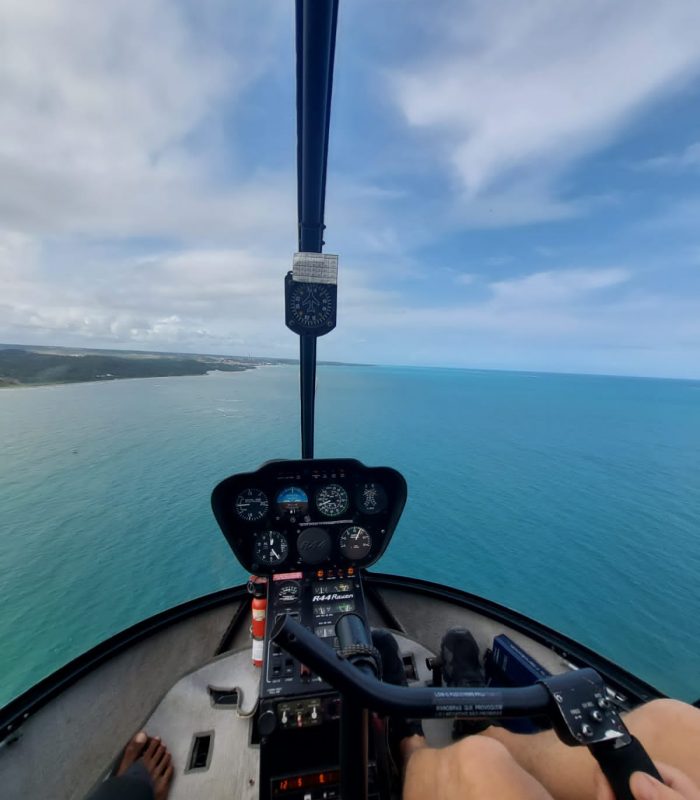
(310,527)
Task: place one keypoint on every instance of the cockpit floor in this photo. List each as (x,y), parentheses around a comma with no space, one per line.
(187,711)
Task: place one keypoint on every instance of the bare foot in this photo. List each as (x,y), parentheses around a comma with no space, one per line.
(154,756)
(132,751)
(158,762)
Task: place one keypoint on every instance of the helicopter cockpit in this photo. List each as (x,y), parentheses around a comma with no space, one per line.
(306,530)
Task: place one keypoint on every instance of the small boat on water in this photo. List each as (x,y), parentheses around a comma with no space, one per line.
(285,712)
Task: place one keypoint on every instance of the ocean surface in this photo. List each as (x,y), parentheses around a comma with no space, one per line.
(574,499)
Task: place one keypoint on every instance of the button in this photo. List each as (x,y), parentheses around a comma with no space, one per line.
(586,730)
(603,703)
(597,715)
(267,722)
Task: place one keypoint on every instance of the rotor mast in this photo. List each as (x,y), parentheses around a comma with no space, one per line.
(316,23)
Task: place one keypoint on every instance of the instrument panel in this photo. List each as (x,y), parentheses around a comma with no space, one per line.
(296,515)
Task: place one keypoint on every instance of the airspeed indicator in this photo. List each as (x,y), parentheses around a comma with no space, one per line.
(252,505)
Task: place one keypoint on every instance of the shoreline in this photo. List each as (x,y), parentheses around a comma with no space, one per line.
(37,385)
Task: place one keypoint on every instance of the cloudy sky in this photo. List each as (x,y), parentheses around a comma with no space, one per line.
(511,184)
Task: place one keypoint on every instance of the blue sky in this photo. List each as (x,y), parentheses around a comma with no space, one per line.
(511,185)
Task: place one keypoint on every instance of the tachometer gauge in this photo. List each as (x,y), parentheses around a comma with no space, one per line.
(289,592)
(371,498)
(252,505)
(332,500)
(270,548)
(292,500)
(355,543)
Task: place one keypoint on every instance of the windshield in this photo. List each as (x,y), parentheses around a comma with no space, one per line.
(513,195)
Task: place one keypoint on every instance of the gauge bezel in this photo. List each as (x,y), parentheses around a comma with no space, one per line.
(285,586)
(299,508)
(260,492)
(325,488)
(342,547)
(284,544)
(359,503)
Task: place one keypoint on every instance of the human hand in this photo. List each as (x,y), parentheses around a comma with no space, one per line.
(676,786)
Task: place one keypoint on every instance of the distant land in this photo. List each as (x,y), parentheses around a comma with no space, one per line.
(30,365)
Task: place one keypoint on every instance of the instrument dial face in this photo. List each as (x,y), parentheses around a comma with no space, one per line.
(371,498)
(289,592)
(270,548)
(252,505)
(332,500)
(292,500)
(312,305)
(355,543)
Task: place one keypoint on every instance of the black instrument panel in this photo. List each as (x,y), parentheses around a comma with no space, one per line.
(314,513)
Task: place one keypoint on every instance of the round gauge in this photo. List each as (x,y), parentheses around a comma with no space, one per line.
(371,498)
(270,548)
(252,505)
(311,305)
(289,592)
(332,500)
(355,543)
(292,500)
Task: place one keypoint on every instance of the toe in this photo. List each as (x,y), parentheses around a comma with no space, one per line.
(163,765)
(150,751)
(132,751)
(161,753)
(162,784)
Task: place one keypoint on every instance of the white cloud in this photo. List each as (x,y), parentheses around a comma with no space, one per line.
(230,301)
(569,304)
(575,319)
(109,120)
(118,122)
(201,300)
(557,287)
(516,92)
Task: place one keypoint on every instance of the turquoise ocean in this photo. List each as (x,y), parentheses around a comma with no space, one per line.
(574,499)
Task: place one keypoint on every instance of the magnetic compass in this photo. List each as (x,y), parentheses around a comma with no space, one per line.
(310,307)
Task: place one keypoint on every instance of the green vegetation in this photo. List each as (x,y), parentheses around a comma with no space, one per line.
(26,367)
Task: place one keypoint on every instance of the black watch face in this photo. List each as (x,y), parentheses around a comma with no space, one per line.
(311,305)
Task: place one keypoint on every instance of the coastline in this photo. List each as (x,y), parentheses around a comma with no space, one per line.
(22,367)
(44,384)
